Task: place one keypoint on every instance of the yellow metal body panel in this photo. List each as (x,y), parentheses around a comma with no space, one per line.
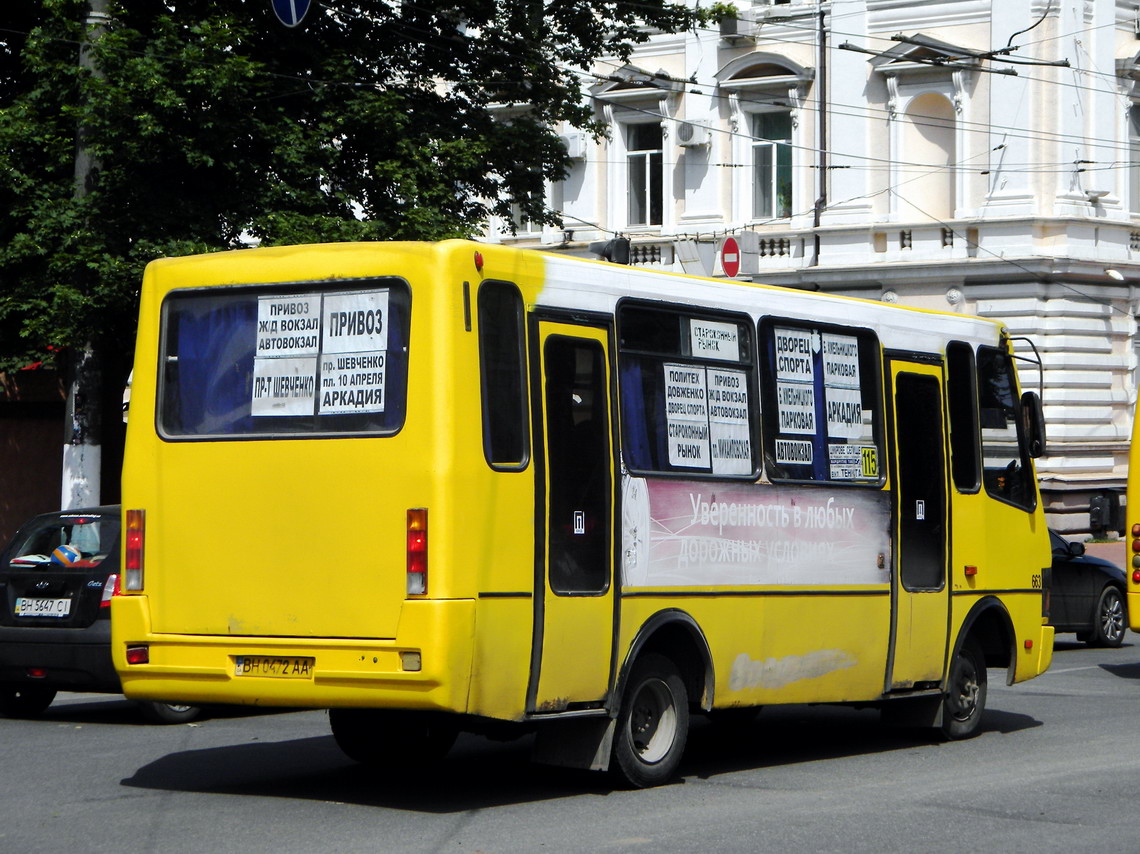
(777,645)
(1132,525)
(1010,558)
(300,543)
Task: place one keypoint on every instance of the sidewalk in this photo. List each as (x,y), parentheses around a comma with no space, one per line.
(1108,551)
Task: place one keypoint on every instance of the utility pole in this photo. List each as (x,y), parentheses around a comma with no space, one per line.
(82,441)
(821,90)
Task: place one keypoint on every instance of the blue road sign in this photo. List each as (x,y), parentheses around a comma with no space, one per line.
(290,12)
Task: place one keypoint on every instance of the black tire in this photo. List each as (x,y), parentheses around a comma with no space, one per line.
(1108,619)
(652,723)
(169,713)
(965,700)
(25,701)
(383,738)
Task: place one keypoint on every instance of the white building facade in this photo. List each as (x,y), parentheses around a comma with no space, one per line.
(976,156)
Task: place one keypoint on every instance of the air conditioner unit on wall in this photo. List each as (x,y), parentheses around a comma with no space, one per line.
(575,145)
(692,134)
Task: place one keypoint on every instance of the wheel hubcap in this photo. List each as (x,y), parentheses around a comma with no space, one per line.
(1112,619)
(966,697)
(652,721)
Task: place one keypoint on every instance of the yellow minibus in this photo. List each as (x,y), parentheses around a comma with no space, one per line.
(452,487)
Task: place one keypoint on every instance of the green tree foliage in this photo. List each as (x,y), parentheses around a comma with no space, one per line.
(214,126)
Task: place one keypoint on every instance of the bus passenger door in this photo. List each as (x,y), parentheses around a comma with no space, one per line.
(572,659)
(919,591)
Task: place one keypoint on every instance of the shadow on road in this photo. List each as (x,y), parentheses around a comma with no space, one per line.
(477,774)
(1069,642)
(1131,670)
(480,773)
(111,709)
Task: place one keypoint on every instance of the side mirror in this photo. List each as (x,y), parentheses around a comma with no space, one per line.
(1076,549)
(1033,424)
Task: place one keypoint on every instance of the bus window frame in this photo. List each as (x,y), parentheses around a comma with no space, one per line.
(747,364)
(975,422)
(1027,470)
(285,289)
(769,408)
(484,383)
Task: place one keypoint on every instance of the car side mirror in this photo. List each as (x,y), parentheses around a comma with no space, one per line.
(1033,424)
(1076,549)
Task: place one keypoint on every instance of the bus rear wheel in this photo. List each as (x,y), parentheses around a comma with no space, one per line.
(965,699)
(652,724)
(386,738)
(169,713)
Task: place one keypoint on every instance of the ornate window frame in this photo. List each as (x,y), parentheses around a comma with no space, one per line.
(920,67)
(760,82)
(633,96)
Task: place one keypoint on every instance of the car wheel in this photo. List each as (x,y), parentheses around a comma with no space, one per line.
(965,699)
(1108,625)
(25,701)
(169,713)
(652,724)
(384,738)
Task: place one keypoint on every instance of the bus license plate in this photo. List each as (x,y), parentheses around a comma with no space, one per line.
(42,607)
(287,666)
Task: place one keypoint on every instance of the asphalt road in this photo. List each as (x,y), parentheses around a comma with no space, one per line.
(1056,768)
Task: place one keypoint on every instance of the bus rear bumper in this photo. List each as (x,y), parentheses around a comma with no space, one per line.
(434,636)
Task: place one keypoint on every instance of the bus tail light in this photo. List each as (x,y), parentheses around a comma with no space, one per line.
(133,559)
(110,588)
(417,551)
(139,654)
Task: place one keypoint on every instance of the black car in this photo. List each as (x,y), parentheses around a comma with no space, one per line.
(1087,595)
(57,576)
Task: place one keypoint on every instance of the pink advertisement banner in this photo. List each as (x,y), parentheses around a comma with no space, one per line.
(691,533)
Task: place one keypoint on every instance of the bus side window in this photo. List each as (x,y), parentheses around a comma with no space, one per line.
(962,395)
(687,391)
(502,361)
(1006,472)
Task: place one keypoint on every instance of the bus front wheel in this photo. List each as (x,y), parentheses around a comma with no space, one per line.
(965,699)
(652,724)
(388,738)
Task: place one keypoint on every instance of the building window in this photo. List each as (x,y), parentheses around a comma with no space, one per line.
(644,163)
(772,165)
(522,223)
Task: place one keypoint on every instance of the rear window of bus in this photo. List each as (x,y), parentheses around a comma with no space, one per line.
(299,359)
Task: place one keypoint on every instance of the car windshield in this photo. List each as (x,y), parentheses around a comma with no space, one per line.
(80,541)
